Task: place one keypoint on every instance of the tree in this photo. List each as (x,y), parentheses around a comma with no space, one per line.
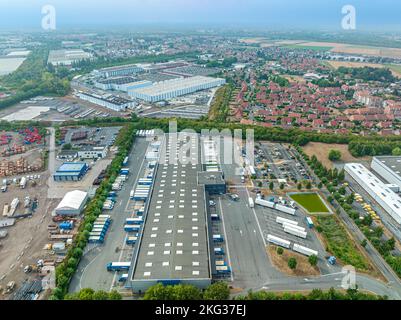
(308,185)
(313,260)
(282,186)
(299,186)
(280,250)
(271,186)
(334,155)
(292,263)
(364,242)
(217,291)
(396,151)
(115,295)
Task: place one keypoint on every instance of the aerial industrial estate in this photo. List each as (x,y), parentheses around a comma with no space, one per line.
(200,164)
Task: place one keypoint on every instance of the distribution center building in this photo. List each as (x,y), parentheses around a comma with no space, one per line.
(109,101)
(388,167)
(124,70)
(71,171)
(380,192)
(174,246)
(169,89)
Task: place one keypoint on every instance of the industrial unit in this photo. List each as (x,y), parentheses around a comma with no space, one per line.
(122,84)
(108,101)
(67,57)
(174,88)
(92,152)
(380,192)
(71,171)
(72,204)
(119,70)
(390,169)
(174,246)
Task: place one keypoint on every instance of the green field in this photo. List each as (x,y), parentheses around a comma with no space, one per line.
(340,244)
(310,201)
(314,48)
(394,67)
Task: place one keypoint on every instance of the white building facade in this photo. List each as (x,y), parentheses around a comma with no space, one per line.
(381,193)
(170,89)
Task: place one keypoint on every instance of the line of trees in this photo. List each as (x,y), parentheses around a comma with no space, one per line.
(90,294)
(66,270)
(216,291)
(315,294)
(220,108)
(33,78)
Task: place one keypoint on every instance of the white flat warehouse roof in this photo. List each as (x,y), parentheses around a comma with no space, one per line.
(381,191)
(175,84)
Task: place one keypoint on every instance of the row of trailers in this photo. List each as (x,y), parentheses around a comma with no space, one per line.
(292,227)
(99,230)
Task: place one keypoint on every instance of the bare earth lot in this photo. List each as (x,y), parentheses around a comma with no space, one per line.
(281,262)
(321,151)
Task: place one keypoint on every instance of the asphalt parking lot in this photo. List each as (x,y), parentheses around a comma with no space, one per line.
(92,268)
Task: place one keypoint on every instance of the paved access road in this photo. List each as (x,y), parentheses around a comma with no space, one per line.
(92,271)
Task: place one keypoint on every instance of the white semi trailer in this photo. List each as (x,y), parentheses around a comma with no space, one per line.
(304,250)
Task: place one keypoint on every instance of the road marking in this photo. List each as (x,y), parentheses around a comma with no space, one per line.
(225,237)
(257,221)
(83,271)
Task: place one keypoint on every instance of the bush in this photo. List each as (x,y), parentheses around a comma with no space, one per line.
(292,263)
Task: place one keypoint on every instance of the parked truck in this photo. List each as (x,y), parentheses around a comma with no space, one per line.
(218,238)
(22,183)
(251,202)
(118,266)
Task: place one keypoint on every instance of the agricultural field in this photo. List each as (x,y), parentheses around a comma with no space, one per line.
(339,243)
(311,202)
(321,151)
(307,47)
(395,69)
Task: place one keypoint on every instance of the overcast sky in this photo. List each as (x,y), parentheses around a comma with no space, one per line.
(314,14)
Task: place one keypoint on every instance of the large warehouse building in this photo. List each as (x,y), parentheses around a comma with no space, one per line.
(72,203)
(380,192)
(124,70)
(174,246)
(389,168)
(169,89)
(109,101)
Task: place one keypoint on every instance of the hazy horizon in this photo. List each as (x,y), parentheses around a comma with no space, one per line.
(271,14)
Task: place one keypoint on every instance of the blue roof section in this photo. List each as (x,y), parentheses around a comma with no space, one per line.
(72,167)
